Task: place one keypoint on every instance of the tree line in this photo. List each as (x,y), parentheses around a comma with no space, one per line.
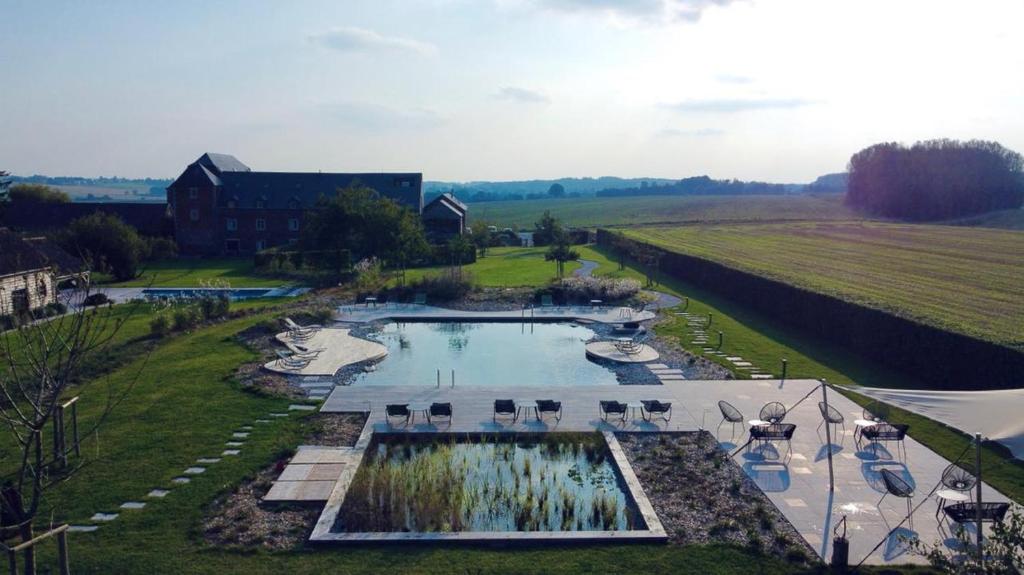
(935,179)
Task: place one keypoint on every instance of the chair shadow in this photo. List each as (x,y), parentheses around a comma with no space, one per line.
(875,451)
(824,449)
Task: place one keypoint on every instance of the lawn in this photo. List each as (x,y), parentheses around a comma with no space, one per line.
(647,210)
(505,267)
(184,272)
(968,280)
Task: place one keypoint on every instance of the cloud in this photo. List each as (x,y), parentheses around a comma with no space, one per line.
(514,94)
(734,79)
(731,106)
(663,11)
(364,116)
(352,40)
(698,133)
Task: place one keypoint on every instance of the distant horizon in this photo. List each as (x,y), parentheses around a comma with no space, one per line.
(503,90)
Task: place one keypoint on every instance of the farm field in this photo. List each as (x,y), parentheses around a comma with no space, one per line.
(647,210)
(969,280)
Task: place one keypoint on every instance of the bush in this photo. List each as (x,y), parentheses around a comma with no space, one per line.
(107,243)
(160,248)
(160,326)
(322,314)
(608,289)
(95,299)
(185,319)
(56,308)
(213,307)
(8,322)
(448,286)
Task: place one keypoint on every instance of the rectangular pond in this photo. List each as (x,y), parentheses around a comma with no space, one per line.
(448,483)
(486,354)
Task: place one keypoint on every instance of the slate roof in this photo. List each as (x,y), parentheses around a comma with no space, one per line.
(221,163)
(442,203)
(18,255)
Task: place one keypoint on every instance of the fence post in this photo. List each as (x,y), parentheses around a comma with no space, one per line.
(784,363)
(721,340)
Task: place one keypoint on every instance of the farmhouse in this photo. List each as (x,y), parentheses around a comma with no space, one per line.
(30,270)
(444,218)
(221,207)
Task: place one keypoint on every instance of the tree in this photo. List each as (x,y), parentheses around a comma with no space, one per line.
(1003,549)
(5,184)
(37,193)
(480,235)
(556,190)
(547,230)
(107,243)
(560,252)
(935,180)
(41,366)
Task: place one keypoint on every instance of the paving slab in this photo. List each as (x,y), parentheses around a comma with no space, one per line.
(240,435)
(231,452)
(181,480)
(195,470)
(282,491)
(133,505)
(158,493)
(208,460)
(234,443)
(103,517)
(301,407)
(82,528)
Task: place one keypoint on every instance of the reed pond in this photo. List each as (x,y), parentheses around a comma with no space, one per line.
(459,483)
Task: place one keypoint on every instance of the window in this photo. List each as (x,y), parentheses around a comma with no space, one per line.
(260,204)
(293,204)
(293,224)
(193,193)
(261,245)
(232,224)
(41,286)
(406,183)
(193,215)
(261,224)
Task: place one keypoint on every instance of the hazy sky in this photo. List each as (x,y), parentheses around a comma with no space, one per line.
(778,90)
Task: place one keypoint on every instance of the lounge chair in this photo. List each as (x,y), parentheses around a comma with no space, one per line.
(505,408)
(773,412)
(612,408)
(628,346)
(439,410)
(303,352)
(546,301)
(420,298)
(301,332)
(831,416)
(398,410)
(774,432)
(654,407)
(290,362)
(730,414)
(549,406)
(887,432)
(895,485)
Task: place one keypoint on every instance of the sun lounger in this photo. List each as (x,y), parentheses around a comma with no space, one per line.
(546,301)
(291,362)
(300,332)
(420,298)
(302,352)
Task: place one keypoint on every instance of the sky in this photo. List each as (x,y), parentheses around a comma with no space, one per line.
(773,90)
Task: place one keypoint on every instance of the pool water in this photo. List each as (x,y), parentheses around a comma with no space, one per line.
(449,483)
(189,293)
(486,354)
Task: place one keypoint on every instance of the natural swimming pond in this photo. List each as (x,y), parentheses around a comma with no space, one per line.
(445,483)
(486,354)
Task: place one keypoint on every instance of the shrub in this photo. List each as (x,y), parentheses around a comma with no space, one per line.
(95,299)
(796,554)
(8,322)
(608,289)
(322,314)
(448,286)
(185,319)
(160,326)
(56,308)
(109,244)
(160,248)
(213,307)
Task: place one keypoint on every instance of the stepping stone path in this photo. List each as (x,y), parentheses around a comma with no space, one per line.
(132,505)
(158,493)
(234,443)
(762,376)
(231,452)
(278,415)
(83,528)
(246,428)
(300,407)
(733,358)
(262,421)
(742,364)
(240,434)
(195,470)
(103,517)
(208,460)
(181,480)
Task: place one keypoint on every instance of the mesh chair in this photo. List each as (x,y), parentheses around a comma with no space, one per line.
(653,406)
(439,410)
(895,485)
(730,414)
(957,479)
(398,410)
(876,411)
(773,412)
(612,408)
(505,407)
(887,432)
(549,406)
(831,416)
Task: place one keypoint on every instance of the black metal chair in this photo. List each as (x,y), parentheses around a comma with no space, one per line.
(397,410)
(773,412)
(654,407)
(613,408)
(831,416)
(968,512)
(888,432)
(730,414)
(439,410)
(895,485)
(774,432)
(955,478)
(505,407)
(549,406)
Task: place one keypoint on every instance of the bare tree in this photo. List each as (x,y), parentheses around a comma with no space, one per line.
(44,365)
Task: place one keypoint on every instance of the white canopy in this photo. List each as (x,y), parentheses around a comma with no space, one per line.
(998,415)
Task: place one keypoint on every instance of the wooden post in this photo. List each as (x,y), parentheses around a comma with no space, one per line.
(710,317)
(721,340)
(64,565)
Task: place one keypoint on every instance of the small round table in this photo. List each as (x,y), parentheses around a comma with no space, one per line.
(942,496)
(758,423)
(526,405)
(421,408)
(633,406)
(860,425)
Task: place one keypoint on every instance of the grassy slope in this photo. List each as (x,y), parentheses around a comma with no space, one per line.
(192,273)
(505,267)
(594,212)
(763,342)
(908,270)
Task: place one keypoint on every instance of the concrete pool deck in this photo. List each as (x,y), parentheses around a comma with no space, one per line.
(798,484)
(361,313)
(337,349)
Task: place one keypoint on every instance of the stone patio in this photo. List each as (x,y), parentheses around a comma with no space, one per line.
(338,349)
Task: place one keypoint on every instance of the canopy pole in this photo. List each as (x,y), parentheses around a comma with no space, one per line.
(828,436)
(977,488)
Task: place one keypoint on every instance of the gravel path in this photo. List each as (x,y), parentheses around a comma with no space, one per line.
(587,268)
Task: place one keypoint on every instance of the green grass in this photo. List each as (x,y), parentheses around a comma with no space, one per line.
(968,280)
(646,210)
(183,272)
(505,267)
